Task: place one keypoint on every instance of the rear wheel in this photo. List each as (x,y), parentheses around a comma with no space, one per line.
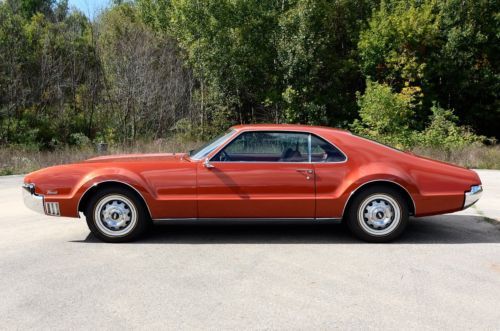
(378,214)
(115,214)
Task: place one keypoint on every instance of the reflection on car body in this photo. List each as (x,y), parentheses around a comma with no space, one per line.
(265,171)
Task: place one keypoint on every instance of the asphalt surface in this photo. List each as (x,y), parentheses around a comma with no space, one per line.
(444,273)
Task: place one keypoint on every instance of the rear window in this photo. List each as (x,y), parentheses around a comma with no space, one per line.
(379,143)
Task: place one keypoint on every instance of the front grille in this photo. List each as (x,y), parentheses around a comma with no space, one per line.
(52,208)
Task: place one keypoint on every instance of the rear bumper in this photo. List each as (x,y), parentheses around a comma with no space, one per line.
(32,200)
(472,196)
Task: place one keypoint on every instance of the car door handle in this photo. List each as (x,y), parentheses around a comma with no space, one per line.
(309,171)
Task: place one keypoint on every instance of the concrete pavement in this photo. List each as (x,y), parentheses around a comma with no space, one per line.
(444,273)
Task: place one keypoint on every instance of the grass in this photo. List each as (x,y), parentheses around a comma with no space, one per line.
(477,157)
(17,160)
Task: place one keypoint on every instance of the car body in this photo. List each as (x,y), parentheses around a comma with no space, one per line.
(266,171)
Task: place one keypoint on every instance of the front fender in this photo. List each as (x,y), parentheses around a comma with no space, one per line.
(66,185)
(118,175)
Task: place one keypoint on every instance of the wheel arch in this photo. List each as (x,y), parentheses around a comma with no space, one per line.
(84,199)
(382,182)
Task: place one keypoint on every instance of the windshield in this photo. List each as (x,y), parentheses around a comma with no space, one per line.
(203,151)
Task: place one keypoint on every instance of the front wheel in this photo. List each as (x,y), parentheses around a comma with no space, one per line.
(378,214)
(115,214)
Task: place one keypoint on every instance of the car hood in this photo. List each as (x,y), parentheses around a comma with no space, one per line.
(172,157)
(62,178)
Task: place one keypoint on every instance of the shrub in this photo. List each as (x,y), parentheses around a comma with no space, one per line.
(185,130)
(386,116)
(79,139)
(443,131)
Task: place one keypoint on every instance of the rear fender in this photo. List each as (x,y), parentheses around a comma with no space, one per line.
(373,173)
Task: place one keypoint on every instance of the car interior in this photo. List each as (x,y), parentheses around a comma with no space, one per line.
(278,147)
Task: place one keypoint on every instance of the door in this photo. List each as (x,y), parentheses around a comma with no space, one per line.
(260,174)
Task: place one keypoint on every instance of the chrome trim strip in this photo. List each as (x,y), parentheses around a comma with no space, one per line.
(309,149)
(337,147)
(247,219)
(32,200)
(217,150)
(221,146)
(379,180)
(175,219)
(335,220)
(111,181)
(472,196)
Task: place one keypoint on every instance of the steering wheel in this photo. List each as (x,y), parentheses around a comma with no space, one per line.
(223,156)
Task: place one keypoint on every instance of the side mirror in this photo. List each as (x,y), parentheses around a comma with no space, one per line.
(207,164)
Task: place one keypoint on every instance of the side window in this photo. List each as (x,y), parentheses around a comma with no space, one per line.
(323,151)
(263,146)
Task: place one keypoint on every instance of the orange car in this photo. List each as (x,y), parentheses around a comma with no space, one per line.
(257,172)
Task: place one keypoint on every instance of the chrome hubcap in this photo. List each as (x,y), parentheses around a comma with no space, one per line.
(379,214)
(115,215)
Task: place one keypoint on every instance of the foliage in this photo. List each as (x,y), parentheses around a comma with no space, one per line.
(388,116)
(229,46)
(392,70)
(449,49)
(394,48)
(316,50)
(147,85)
(45,60)
(443,132)
(272,61)
(79,139)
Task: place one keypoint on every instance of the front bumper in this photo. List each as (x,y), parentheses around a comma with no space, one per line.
(32,200)
(472,196)
(36,202)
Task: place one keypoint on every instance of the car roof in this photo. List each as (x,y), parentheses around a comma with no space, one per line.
(286,127)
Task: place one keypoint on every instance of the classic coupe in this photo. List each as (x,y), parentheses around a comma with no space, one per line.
(292,172)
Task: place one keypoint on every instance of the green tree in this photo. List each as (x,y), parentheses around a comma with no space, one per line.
(291,60)
(28,8)
(449,49)
(230,46)
(318,60)
(45,64)
(148,87)
(389,117)
(464,75)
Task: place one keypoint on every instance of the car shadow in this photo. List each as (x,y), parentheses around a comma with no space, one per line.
(445,229)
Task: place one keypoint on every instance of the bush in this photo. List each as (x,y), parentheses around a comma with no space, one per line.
(185,130)
(388,117)
(443,132)
(79,139)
